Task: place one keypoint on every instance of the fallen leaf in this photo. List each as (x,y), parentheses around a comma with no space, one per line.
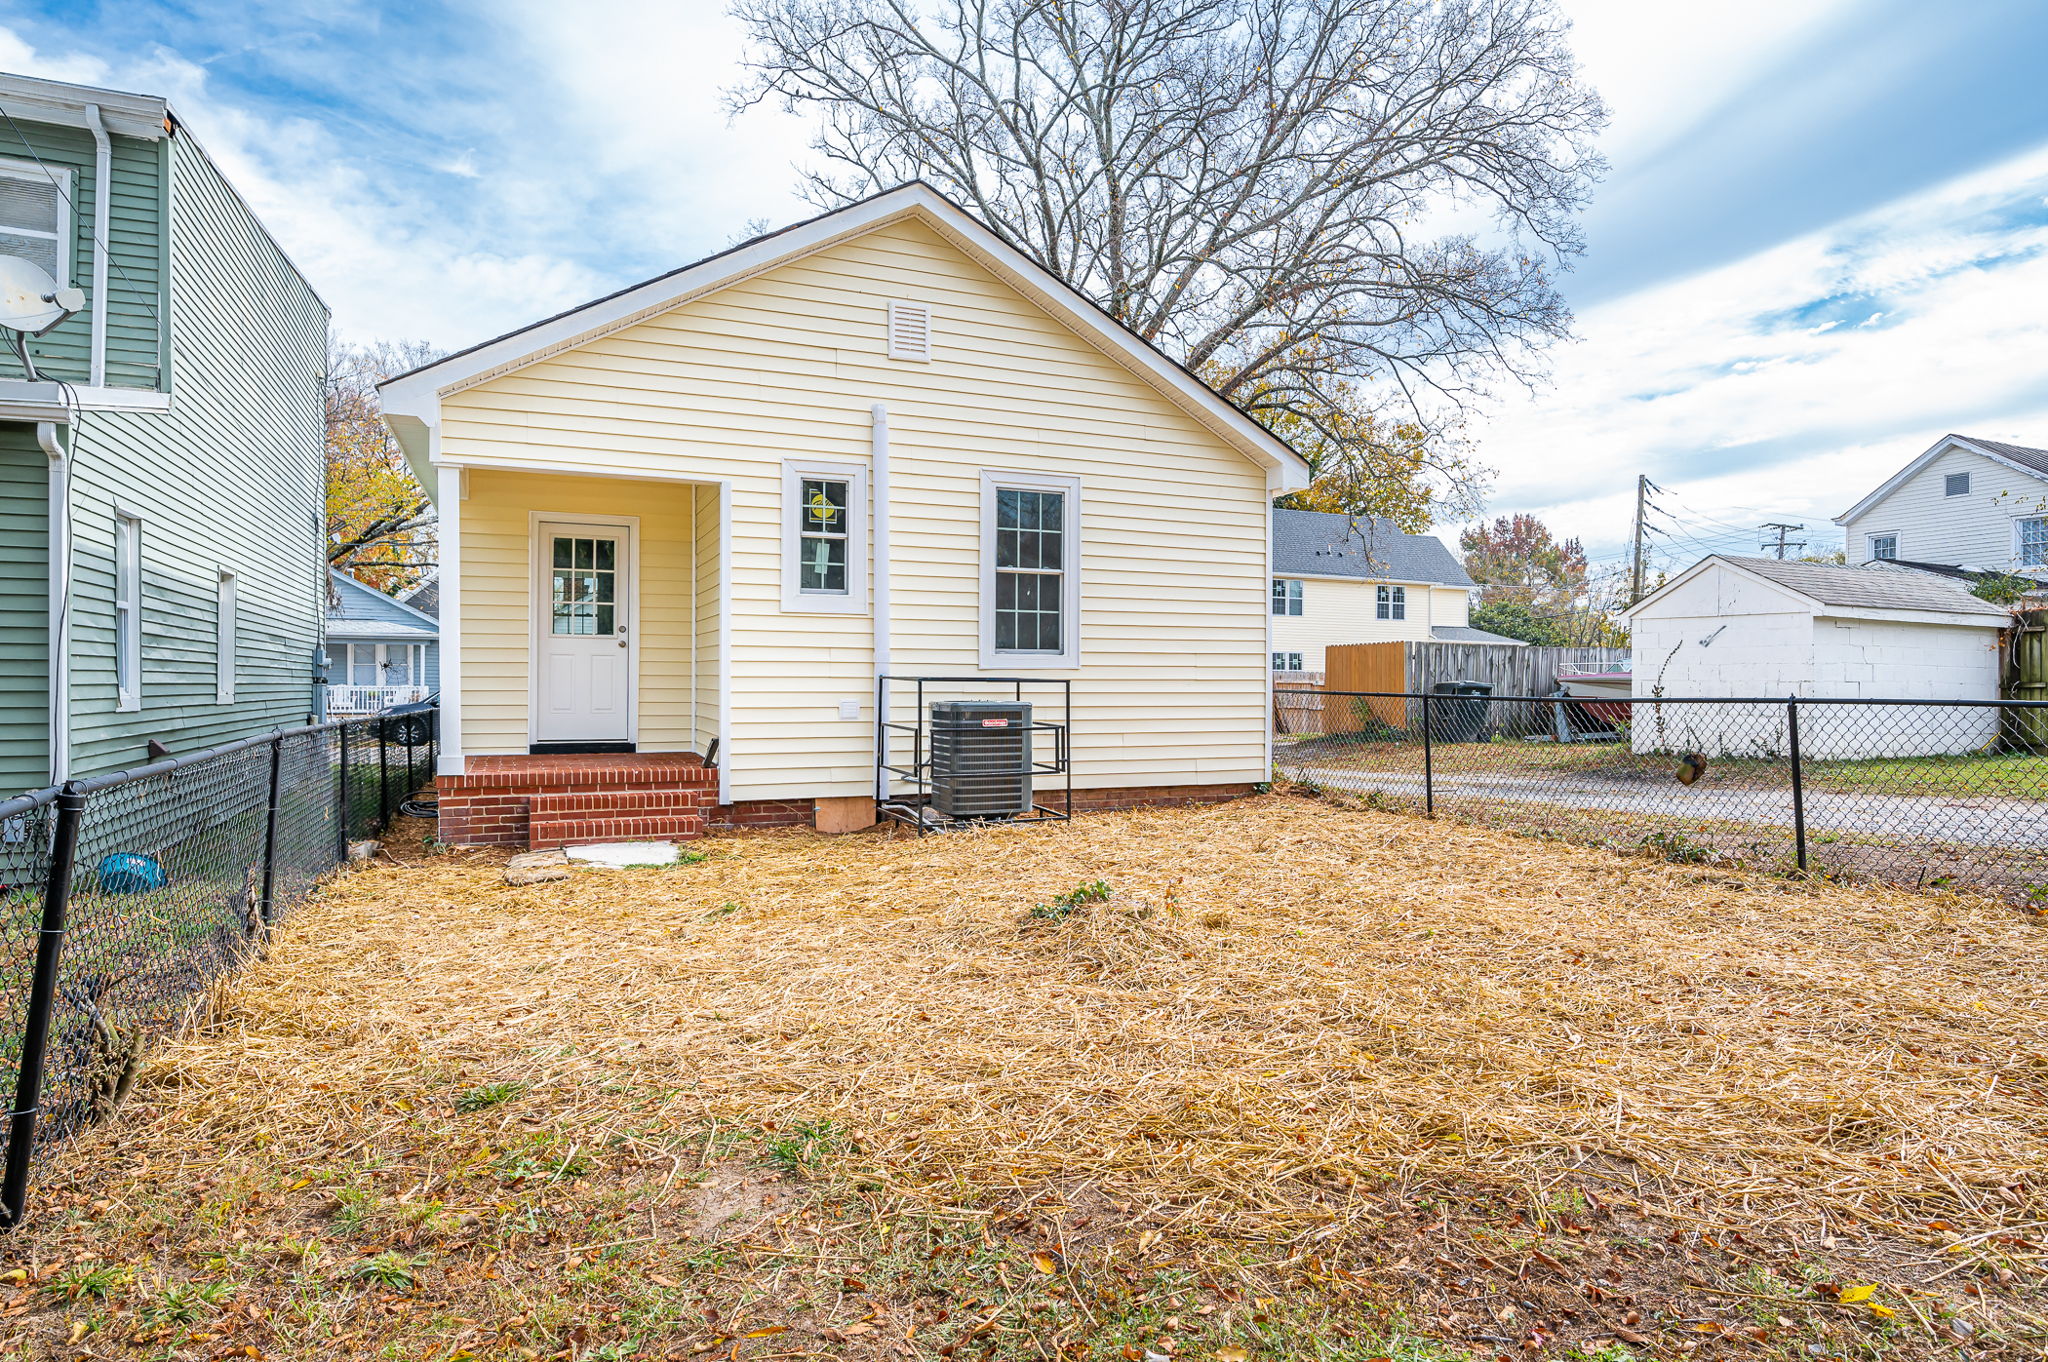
(1856,1295)
(1045,1263)
(77,1331)
(768,1331)
(1881,1311)
(1232,1355)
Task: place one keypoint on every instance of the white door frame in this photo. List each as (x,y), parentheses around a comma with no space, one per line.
(538,590)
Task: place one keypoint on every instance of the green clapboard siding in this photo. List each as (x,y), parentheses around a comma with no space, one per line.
(135,249)
(229,479)
(24,609)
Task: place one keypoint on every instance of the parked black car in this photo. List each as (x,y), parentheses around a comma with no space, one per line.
(413,725)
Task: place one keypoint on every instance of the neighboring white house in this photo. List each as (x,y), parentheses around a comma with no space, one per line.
(1359,579)
(1964,503)
(1765,628)
(719,505)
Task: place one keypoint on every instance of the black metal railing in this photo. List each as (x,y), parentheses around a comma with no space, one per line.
(123,897)
(1925,793)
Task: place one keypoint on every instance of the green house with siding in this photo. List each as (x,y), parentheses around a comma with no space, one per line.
(162,565)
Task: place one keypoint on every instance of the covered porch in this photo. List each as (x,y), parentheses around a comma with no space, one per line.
(582,635)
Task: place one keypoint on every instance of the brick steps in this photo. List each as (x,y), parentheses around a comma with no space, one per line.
(564,800)
(581,829)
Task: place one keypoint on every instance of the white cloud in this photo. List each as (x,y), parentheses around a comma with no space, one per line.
(1791,382)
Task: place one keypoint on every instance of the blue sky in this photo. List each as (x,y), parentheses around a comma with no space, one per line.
(1823,241)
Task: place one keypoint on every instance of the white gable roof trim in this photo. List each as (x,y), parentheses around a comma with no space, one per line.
(1934,451)
(412,400)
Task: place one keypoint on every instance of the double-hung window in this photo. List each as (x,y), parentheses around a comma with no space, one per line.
(1287,662)
(127,610)
(2033,541)
(1031,567)
(1392,603)
(1884,547)
(824,548)
(1286,596)
(35,216)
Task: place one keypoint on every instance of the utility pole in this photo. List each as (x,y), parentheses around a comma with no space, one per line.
(1635,590)
(1782,543)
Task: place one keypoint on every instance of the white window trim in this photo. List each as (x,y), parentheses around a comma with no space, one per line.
(2018,538)
(1291,654)
(1967,481)
(28,170)
(1069,657)
(1395,605)
(1297,596)
(1870,547)
(854,600)
(225,651)
(127,609)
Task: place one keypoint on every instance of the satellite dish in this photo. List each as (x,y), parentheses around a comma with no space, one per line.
(30,299)
(31,303)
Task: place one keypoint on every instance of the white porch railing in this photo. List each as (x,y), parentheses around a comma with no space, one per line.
(344,701)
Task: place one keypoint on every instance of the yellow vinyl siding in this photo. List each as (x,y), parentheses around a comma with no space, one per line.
(497,601)
(1171,688)
(1347,611)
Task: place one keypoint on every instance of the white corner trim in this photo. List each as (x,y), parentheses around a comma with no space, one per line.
(854,600)
(1069,656)
(102,211)
(59,626)
(449,503)
(725,611)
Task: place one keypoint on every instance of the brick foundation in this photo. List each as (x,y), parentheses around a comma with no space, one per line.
(1147,796)
(761,813)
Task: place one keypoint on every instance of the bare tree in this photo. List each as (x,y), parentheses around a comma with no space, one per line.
(380,525)
(1263,188)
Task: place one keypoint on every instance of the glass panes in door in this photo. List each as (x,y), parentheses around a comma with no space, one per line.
(585,573)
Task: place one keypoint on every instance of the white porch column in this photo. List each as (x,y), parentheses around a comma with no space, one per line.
(448,504)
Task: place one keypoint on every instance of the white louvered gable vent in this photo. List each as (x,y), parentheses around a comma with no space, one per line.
(910,331)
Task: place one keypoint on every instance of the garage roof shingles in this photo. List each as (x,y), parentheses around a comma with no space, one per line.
(1868,588)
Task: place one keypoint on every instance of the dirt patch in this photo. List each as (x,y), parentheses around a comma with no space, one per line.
(735,1200)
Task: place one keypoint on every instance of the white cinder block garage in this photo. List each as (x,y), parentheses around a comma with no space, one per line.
(1758,627)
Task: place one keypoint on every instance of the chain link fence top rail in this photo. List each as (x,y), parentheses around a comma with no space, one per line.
(177,871)
(1922,793)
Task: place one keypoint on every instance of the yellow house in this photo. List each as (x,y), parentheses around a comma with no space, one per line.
(1362,579)
(701,537)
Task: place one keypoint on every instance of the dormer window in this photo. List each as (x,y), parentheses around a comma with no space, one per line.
(35,216)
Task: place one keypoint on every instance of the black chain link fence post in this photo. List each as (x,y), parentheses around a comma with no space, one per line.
(1798,783)
(35,1037)
(341,794)
(383,775)
(266,908)
(1428,760)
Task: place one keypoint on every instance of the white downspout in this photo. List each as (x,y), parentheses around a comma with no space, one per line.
(59,574)
(102,210)
(878,473)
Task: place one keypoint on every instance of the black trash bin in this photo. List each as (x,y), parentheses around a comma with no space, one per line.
(1459,711)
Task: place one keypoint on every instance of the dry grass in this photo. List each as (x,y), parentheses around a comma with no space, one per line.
(1281,1008)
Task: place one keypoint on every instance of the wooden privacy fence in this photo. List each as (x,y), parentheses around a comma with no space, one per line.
(1412,668)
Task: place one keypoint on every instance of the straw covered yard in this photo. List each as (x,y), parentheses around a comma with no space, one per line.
(1273,1079)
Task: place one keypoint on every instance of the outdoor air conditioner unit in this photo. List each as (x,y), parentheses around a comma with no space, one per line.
(981,758)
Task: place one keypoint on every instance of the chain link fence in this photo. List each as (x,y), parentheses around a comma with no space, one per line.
(127,896)
(1921,793)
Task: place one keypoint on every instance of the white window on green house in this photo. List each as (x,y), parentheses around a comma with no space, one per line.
(1287,662)
(127,610)
(1286,596)
(225,607)
(1393,603)
(35,216)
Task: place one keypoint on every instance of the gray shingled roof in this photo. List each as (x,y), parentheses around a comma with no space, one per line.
(1318,544)
(2036,459)
(1869,588)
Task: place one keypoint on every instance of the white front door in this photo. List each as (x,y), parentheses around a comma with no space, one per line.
(583,655)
